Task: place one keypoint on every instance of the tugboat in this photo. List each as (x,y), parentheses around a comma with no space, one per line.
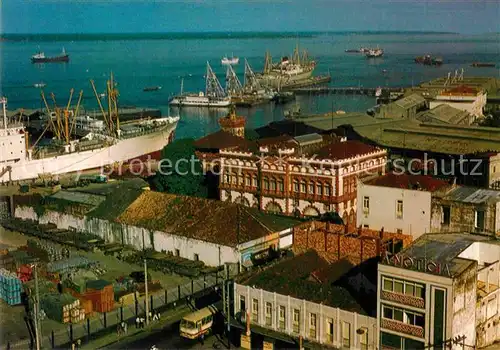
(428,60)
(374,53)
(41,58)
(482,65)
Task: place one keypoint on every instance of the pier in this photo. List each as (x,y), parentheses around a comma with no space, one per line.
(326,90)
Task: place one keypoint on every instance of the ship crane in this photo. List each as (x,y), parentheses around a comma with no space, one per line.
(111,118)
(233,84)
(213,87)
(250,83)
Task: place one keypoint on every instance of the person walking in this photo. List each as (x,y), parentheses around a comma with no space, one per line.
(203,339)
(78,344)
(137,322)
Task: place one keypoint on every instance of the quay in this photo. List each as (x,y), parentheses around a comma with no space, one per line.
(326,90)
(313,81)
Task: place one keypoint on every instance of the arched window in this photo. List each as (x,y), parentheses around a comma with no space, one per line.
(319,188)
(241,179)
(303,187)
(254,180)
(266,183)
(228,178)
(248,180)
(295,186)
(327,190)
(311,187)
(234,178)
(273,184)
(281,186)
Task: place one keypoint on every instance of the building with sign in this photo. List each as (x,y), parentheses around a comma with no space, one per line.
(441,291)
(466,98)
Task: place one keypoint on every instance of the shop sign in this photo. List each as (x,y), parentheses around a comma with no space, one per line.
(419,264)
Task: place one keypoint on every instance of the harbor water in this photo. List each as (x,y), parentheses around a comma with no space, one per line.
(143,60)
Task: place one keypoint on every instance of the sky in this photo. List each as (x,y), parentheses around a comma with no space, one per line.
(148,16)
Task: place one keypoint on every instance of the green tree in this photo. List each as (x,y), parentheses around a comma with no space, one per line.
(181,172)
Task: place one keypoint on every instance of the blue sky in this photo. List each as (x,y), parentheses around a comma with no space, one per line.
(134,16)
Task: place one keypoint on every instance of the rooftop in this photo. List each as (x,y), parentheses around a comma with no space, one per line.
(219,140)
(346,149)
(473,195)
(406,181)
(443,113)
(460,90)
(410,101)
(308,139)
(295,277)
(286,127)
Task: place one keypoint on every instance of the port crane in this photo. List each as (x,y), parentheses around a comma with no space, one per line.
(111,116)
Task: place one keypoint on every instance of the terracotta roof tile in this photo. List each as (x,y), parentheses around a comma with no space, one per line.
(345,150)
(220,140)
(406,181)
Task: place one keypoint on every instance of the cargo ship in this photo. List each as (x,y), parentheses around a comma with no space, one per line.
(428,60)
(41,58)
(213,97)
(483,65)
(151,88)
(99,149)
(229,60)
(374,53)
(287,71)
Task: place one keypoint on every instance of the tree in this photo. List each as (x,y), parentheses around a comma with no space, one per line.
(180,171)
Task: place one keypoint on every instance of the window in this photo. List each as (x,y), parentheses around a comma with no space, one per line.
(228,178)
(329,330)
(243,307)
(366,205)
(282,318)
(366,226)
(295,186)
(303,188)
(196,257)
(255,310)
(311,187)
(399,209)
(399,231)
(479,222)
(281,186)
(403,287)
(248,180)
(327,190)
(254,181)
(266,183)
(273,185)
(319,189)
(269,314)
(234,178)
(312,326)
(446,215)
(346,334)
(241,179)
(177,252)
(296,321)
(404,316)
(363,338)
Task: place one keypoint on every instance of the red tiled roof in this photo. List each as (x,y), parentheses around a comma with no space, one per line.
(219,140)
(461,90)
(346,149)
(406,181)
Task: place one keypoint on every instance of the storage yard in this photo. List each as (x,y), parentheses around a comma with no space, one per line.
(77,279)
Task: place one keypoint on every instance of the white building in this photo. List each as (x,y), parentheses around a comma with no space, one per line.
(283,304)
(398,203)
(462,97)
(441,291)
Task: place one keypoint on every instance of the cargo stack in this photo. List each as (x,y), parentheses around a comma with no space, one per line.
(25,273)
(63,308)
(101,293)
(67,265)
(47,251)
(7,262)
(10,287)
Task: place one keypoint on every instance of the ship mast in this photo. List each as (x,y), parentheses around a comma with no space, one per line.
(250,83)
(4,107)
(233,84)
(268,63)
(213,87)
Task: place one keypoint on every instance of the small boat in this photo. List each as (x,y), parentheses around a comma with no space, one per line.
(41,58)
(482,64)
(428,60)
(39,85)
(229,61)
(352,51)
(152,88)
(374,53)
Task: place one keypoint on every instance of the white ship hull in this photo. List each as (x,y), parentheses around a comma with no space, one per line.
(276,80)
(199,101)
(230,61)
(124,150)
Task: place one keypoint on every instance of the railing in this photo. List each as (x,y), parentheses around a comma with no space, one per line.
(403,299)
(402,327)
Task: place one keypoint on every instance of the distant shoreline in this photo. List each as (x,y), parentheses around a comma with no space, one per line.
(197,35)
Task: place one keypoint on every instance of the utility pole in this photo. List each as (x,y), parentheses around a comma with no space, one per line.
(146,287)
(37,309)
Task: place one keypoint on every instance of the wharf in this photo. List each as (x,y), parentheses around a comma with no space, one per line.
(345,90)
(248,101)
(318,80)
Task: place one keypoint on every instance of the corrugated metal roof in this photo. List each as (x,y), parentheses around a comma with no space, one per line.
(308,139)
(79,197)
(473,195)
(410,101)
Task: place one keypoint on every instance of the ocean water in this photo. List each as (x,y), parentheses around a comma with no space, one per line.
(142,60)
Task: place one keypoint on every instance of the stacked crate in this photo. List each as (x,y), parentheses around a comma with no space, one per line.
(7,262)
(63,308)
(101,293)
(46,250)
(10,287)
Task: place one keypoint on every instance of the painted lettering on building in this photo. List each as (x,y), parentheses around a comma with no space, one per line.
(418,264)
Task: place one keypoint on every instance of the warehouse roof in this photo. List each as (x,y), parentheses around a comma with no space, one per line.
(410,101)
(473,195)
(295,277)
(443,113)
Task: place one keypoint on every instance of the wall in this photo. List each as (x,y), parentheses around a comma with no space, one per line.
(488,306)
(382,213)
(464,306)
(211,254)
(322,312)
(494,171)
(472,104)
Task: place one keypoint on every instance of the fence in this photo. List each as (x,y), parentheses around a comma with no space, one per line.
(106,323)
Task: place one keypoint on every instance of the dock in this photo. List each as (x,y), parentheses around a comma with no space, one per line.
(326,90)
(313,81)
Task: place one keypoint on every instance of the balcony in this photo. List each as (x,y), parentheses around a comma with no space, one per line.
(237,188)
(403,299)
(401,327)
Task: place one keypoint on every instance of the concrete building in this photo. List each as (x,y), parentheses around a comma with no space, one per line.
(467,209)
(398,202)
(302,176)
(210,231)
(295,300)
(466,98)
(404,108)
(441,291)
(445,114)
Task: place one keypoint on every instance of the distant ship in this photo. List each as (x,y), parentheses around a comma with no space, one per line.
(428,60)
(360,50)
(41,58)
(151,88)
(214,95)
(225,61)
(373,53)
(39,85)
(482,64)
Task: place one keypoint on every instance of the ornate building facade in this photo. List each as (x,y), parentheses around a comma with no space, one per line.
(303,176)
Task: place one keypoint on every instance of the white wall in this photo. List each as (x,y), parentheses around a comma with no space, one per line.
(383,200)
(473,105)
(482,252)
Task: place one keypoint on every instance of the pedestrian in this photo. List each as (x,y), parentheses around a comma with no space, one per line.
(203,339)
(78,344)
(150,315)
(125,327)
(137,321)
(142,322)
